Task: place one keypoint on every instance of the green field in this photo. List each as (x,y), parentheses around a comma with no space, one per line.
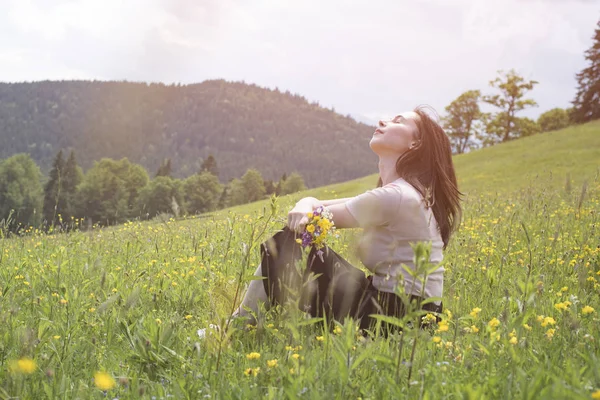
(522,294)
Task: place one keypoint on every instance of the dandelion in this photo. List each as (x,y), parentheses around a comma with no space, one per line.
(587,310)
(272,363)
(253,356)
(475,312)
(103,381)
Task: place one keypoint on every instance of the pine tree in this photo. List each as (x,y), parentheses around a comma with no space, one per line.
(54,198)
(72,177)
(210,165)
(165,169)
(586,105)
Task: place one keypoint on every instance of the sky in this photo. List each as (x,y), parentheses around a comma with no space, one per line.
(371,59)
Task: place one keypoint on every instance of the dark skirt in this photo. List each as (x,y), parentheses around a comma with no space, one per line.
(328,285)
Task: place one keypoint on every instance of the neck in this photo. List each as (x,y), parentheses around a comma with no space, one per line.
(387,169)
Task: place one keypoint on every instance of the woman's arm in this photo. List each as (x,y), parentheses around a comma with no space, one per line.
(314,202)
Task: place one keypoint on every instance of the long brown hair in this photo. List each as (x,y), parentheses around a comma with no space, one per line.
(428,167)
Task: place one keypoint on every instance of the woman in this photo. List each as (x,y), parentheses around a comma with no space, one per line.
(416,199)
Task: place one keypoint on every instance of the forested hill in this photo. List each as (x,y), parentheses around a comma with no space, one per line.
(243,126)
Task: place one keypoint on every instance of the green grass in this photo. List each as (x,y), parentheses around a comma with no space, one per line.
(127,300)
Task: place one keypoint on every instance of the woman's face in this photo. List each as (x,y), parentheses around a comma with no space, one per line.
(395,136)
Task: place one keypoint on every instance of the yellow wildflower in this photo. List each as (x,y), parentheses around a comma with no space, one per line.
(252,371)
(320,338)
(337,330)
(188,317)
(513,340)
(63,301)
(474,329)
(295,356)
(253,356)
(494,323)
(527,327)
(272,363)
(103,381)
(310,228)
(548,321)
(596,395)
(475,312)
(23,366)
(587,310)
(436,339)
(550,333)
(443,326)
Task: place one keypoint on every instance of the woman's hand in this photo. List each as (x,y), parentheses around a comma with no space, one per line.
(297,218)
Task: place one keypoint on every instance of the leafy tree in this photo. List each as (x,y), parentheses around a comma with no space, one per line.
(55,200)
(294,183)
(460,121)
(252,182)
(201,193)
(20,191)
(109,191)
(554,119)
(210,165)
(527,127)
(503,125)
(159,196)
(164,169)
(586,105)
(236,193)
(223,198)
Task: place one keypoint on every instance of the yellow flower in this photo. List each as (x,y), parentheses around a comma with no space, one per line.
(188,317)
(310,228)
(564,289)
(23,366)
(103,381)
(436,339)
(587,310)
(56,337)
(272,363)
(320,338)
(158,321)
(550,333)
(429,318)
(253,356)
(309,214)
(443,326)
(494,323)
(63,301)
(289,348)
(513,340)
(337,330)
(596,395)
(475,312)
(252,371)
(299,241)
(527,327)
(548,321)
(474,329)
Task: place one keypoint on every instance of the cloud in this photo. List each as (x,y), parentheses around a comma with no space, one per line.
(373,59)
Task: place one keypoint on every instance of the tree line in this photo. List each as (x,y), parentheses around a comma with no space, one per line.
(469,127)
(115,191)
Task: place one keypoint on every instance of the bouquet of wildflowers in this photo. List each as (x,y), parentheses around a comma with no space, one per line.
(318,228)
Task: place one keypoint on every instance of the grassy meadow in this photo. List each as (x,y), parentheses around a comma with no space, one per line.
(113,313)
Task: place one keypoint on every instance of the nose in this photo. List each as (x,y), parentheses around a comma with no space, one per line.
(381,124)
